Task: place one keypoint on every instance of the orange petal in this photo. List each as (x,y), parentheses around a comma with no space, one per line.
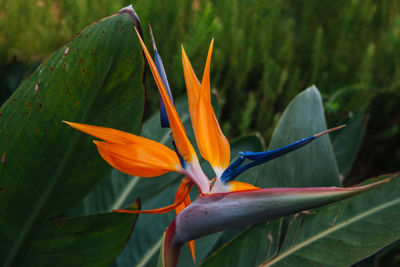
(131,154)
(183,145)
(154,211)
(147,159)
(213,144)
(183,204)
(181,196)
(192,251)
(107,134)
(190,244)
(192,87)
(241,186)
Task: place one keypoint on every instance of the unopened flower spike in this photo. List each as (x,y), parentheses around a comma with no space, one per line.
(160,67)
(257,158)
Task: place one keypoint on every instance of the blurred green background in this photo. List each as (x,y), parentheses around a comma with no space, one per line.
(265,53)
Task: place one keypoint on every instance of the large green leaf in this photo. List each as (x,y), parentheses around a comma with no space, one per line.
(343,233)
(347,142)
(326,236)
(311,165)
(78,241)
(250,247)
(46,166)
(339,234)
(388,256)
(323,161)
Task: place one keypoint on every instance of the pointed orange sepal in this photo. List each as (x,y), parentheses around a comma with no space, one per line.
(213,144)
(241,186)
(131,154)
(183,204)
(182,194)
(154,211)
(182,197)
(192,87)
(146,159)
(183,145)
(107,134)
(192,250)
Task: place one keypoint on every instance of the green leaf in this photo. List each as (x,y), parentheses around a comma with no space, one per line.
(388,256)
(345,232)
(347,142)
(245,143)
(90,240)
(323,162)
(217,212)
(339,234)
(46,166)
(311,165)
(240,250)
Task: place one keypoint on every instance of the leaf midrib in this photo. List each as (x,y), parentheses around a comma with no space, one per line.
(331,230)
(150,253)
(37,211)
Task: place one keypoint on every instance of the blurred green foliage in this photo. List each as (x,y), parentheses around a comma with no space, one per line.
(265,53)
(31,29)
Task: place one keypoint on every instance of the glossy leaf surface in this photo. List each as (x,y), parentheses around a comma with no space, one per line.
(311,165)
(345,232)
(235,252)
(90,240)
(296,224)
(339,234)
(347,142)
(48,167)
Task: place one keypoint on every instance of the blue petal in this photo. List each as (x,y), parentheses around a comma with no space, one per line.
(163,75)
(181,160)
(265,156)
(257,158)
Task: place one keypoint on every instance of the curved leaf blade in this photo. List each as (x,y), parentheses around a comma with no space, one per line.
(311,165)
(345,232)
(239,251)
(96,78)
(327,236)
(346,143)
(89,240)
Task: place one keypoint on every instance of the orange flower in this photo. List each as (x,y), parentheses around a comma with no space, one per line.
(139,156)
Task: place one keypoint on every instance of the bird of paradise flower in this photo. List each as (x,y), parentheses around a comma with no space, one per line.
(222,203)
